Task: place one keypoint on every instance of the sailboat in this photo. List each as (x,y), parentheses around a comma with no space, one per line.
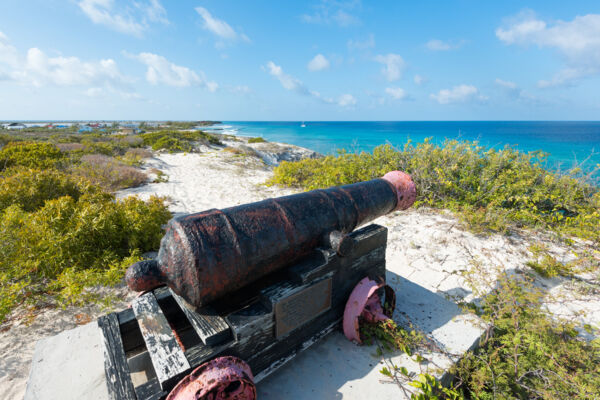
(303,125)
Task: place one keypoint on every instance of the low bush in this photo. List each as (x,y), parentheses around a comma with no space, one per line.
(69,244)
(108,172)
(66,147)
(108,147)
(30,189)
(31,155)
(177,141)
(131,141)
(489,189)
(256,140)
(135,156)
(4,139)
(525,354)
(173,145)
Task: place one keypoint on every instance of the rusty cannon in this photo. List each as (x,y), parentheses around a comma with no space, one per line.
(206,255)
(235,293)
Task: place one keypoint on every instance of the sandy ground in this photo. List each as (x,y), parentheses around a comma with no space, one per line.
(429,247)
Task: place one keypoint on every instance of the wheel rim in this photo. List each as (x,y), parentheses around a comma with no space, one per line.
(365,304)
(223,378)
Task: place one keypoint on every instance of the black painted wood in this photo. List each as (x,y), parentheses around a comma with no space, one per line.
(150,391)
(313,266)
(130,332)
(210,327)
(254,326)
(249,313)
(167,357)
(118,378)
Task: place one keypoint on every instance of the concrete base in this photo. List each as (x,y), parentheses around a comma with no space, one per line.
(70,365)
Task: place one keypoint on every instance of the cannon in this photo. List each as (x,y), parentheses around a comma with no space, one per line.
(235,293)
(206,255)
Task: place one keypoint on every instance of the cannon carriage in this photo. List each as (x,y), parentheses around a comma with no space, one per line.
(236,293)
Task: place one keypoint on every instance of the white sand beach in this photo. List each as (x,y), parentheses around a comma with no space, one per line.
(428,248)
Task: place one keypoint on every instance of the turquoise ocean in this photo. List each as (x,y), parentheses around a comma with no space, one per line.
(568,143)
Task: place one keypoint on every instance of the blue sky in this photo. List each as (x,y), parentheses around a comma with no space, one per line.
(314,60)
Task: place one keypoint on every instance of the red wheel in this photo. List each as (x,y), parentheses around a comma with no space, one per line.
(364,303)
(224,378)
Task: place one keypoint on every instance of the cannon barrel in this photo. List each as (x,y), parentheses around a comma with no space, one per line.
(206,255)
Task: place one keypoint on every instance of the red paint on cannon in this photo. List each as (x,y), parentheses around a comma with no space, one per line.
(206,255)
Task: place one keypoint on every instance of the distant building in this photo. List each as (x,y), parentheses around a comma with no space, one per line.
(128,129)
(16,125)
(85,128)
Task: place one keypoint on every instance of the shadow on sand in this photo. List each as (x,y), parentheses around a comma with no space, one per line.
(335,368)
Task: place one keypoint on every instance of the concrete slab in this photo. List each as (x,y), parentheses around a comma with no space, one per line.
(70,365)
(337,369)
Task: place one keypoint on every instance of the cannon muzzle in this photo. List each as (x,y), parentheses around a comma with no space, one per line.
(206,255)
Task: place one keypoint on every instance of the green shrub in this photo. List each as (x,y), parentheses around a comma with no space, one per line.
(135,156)
(107,146)
(108,172)
(30,189)
(31,154)
(256,140)
(177,141)
(69,244)
(4,139)
(489,189)
(526,354)
(172,144)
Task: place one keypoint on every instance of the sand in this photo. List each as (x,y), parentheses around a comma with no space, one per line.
(431,249)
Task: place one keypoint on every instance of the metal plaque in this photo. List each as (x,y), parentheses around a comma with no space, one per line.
(300,307)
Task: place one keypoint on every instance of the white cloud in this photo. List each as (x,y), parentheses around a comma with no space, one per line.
(393,66)
(513,91)
(506,84)
(160,70)
(396,93)
(419,79)
(458,94)
(40,69)
(334,12)
(361,45)
(578,42)
(102,92)
(439,45)
(8,54)
(132,18)
(318,63)
(219,27)
(293,84)
(346,100)
(240,89)
(287,81)
(94,92)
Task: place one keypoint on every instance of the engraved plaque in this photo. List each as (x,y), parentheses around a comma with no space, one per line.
(300,307)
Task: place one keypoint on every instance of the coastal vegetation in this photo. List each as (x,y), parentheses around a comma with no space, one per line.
(256,140)
(178,141)
(525,353)
(63,234)
(62,231)
(489,189)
